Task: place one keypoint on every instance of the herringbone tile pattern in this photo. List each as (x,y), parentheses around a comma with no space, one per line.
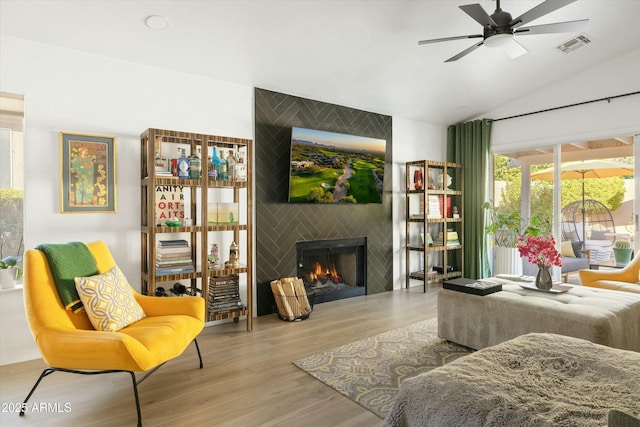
(280,224)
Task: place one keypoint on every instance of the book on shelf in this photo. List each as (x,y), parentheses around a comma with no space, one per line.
(175,270)
(162,264)
(444,211)
(176,242)
(452,239)
(233,305)
(173,257)
(161,255)
(169,202)
(173,250)
(433,207)
(451,235)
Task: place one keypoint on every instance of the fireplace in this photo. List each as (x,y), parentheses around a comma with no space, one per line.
(334,269)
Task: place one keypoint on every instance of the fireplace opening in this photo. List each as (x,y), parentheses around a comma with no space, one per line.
(334,269)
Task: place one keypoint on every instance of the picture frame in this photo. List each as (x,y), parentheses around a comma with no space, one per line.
(87,173)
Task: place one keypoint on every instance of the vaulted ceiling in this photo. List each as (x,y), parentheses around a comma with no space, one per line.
(362,54)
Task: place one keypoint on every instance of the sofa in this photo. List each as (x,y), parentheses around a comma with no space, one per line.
(574,258)
(626,279)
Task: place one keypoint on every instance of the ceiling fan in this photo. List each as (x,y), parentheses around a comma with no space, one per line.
(500,28)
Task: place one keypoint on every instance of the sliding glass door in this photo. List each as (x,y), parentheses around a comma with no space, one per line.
(584,192)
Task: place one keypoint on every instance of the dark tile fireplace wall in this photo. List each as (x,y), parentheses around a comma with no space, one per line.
(279,225)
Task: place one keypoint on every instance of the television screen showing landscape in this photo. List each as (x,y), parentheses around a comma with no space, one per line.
(328,167)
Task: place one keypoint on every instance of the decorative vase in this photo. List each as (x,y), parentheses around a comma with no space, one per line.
(507,261)
(622,255)
(7,278)
(543,278)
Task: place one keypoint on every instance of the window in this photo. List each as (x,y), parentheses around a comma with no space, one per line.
(11,175)
(596,208)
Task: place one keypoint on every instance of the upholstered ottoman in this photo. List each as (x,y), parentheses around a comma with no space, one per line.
(601,316)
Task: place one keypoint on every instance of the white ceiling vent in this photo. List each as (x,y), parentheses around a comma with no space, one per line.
(575,43)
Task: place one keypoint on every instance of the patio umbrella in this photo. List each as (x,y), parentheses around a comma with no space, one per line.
(584,169)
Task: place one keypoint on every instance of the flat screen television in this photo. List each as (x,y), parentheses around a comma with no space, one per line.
(329,167)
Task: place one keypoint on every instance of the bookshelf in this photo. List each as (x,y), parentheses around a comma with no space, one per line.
(182,218)
(434,239)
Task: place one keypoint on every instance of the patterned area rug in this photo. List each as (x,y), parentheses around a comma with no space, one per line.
(369,371)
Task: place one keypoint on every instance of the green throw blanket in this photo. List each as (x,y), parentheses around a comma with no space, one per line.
(68,261)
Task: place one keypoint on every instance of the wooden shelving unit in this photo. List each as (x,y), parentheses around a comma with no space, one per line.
(434,221)
(198,195)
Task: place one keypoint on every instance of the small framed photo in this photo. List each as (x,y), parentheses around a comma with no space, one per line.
(88,173)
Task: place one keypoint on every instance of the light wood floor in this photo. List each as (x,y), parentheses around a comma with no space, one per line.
(248,378)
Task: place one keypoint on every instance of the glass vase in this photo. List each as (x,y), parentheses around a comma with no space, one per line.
(543,278)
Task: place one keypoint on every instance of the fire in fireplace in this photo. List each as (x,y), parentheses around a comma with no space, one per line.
(333,269)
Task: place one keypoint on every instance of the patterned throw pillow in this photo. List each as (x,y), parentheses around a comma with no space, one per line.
(108,300)
(566,249)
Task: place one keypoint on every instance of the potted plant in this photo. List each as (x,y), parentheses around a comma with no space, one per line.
(10,271)
(506,227)
(622,251)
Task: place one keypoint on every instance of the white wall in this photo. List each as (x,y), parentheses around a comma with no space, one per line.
(71,91)
(411,141)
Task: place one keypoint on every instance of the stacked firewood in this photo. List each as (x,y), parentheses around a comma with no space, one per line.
(291,298)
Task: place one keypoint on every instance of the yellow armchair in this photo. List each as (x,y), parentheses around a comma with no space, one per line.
(68,342)
(626,279)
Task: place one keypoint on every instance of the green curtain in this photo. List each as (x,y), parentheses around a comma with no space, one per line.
(468,144)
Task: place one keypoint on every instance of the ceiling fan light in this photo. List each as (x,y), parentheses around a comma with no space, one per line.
(498,40)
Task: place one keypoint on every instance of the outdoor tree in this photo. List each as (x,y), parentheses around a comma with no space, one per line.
(609,191)
(11,222)
(318,195)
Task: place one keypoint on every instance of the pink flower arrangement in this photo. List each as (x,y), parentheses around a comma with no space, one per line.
(539,250)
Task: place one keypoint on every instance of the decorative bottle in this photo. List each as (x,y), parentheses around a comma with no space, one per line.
(215,164)
(174,164)
(234,254)
(241,168)
(183,165)
(223,176)
(214,256)
(195,168)
(210,163)
(231,166)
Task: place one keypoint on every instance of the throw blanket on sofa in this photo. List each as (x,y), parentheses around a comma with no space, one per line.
(68,261)
(541,380)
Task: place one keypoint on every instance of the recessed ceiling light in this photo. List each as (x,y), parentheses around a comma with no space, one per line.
(156,22)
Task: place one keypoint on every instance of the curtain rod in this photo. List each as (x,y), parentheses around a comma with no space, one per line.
(608,99)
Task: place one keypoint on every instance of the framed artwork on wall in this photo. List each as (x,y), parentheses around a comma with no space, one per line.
(88,173)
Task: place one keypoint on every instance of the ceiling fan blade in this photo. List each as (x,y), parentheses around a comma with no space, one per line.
(465,52)
(446,39)
(478,13)
(542,9)
(558,27)
(514,49)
